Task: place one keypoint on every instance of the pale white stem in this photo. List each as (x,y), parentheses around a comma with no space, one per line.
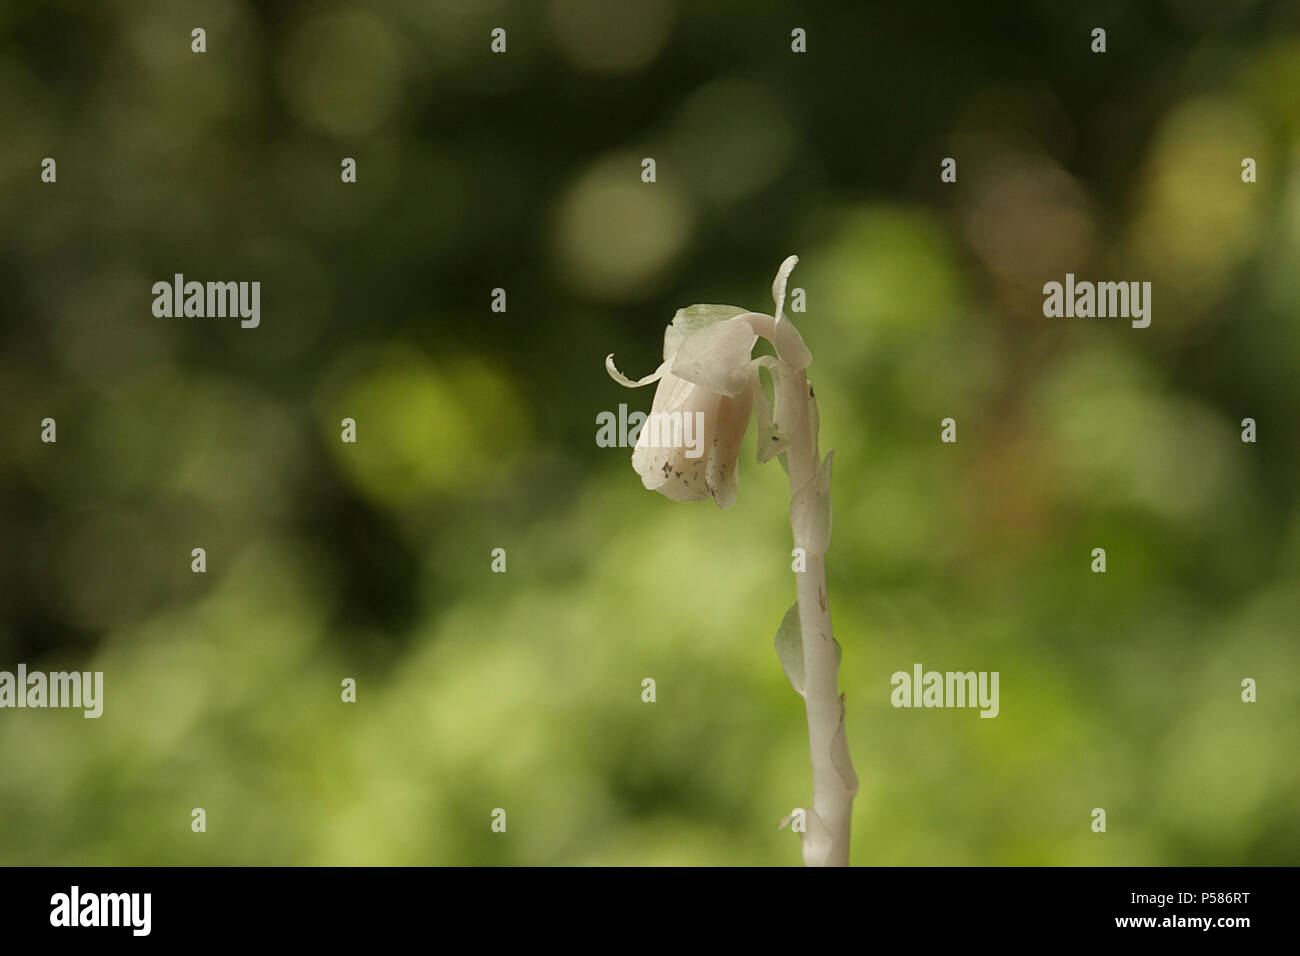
(826,842)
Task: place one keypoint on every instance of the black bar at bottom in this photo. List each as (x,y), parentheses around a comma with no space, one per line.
(370,906)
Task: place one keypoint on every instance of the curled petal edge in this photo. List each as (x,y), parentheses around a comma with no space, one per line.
(626,382)
(779,283)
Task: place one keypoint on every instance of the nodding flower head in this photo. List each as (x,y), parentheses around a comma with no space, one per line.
(689,445)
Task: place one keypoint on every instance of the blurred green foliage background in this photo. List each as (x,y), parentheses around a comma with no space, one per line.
(476,430)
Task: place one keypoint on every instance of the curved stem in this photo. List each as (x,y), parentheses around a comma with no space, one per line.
(826,842)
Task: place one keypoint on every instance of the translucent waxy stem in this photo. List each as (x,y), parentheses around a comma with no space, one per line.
(826,842)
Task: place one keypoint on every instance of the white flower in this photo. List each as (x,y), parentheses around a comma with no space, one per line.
(690,444)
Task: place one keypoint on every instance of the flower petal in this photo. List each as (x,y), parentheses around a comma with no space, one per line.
(790,345)
(623,380)
(814,421)
(680,422)
(692,319)
(785,338)
(723,473)
(716,357)
(774,417)
(778,285)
